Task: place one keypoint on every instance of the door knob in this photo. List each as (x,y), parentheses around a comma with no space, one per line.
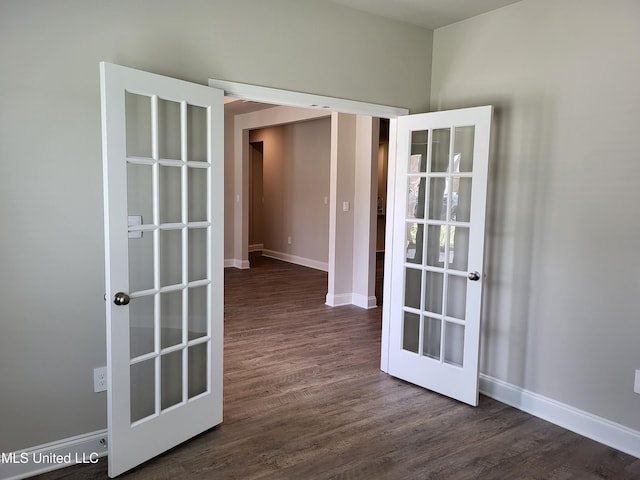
(121,298)
(474,276)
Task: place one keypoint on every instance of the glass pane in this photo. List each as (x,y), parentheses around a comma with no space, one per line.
(414,243)
(459,248)
(141,262)
(170,199)
(140,192)
(411,332)
(170,257)
(197,312)
(456,296)
(431,338)
(197,188)
(197,254)
(419,146)
(415,197)
(170,318)
(412,287)
(433,292)
(141,339)
(437,199)
(169,129)
(440,150)
(198,373)
(461,200)
(453,343)
(463,149)
(138,125)
(171,379)
(196,133)
(142,390)
(435,245)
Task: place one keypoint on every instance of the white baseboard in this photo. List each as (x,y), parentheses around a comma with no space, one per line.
(85,448)
(591,426)
(236,263)
(339,299)
(256,247)
(363,301)
(305,262)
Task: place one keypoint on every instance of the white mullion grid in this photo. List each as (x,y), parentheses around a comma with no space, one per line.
(184,153)
(156,249)
(142,358)
(447,239)
(455,320)
(171,226)
(166,162)
(171,288)
(429,148)
(425,228)
(199,340)
(173,348)
(141,160)
(199,283)
(195,164)
(143,293)
(209,163)
(198,224)
(427,208)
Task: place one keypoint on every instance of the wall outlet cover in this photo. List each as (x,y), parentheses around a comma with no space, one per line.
(100,379)
(636,384)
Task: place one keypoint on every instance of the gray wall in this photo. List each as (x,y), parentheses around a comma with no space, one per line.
(561,316)
(52,331)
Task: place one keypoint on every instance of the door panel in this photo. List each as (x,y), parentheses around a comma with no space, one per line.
(437,252)
(163,174)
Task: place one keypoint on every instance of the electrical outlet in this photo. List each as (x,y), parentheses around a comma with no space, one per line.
(289,240)
(636,384)
(100,379)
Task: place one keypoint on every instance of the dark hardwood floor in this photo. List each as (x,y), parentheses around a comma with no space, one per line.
(305,399)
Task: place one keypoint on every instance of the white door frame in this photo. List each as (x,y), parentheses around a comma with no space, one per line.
(315,106)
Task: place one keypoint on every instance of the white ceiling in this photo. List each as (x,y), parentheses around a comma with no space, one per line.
(431,14)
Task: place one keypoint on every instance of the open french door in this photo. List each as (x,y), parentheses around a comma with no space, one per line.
(437,244)
(163,190)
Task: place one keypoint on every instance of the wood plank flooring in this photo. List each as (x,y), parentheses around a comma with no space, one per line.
(305,399)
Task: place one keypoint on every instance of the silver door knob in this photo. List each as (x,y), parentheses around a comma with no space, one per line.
(474,276)
(121,298)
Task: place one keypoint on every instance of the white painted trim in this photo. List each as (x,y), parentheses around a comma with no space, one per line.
(389,246)
(364,301)
(290,98)
(256,247)
(305,262)
(236,263)
(586,424)
(80,449)
(339,300)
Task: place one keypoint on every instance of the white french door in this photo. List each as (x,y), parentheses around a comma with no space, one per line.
(163,188)
(437,250)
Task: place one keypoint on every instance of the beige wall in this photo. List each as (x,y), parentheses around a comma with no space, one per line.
(52,330)
(296,182)
(561,313)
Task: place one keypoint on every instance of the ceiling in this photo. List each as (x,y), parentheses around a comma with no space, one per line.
(430,14)
(235,106)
